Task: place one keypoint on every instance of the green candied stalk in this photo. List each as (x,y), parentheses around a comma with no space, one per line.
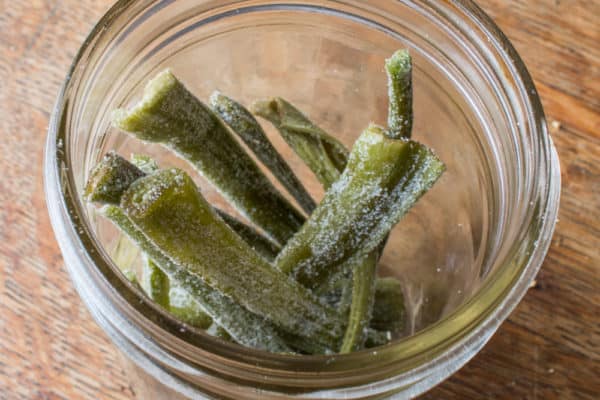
(245,327)
(183,304)
(172,297)
(400,114)
(363,291)
(107,181)
(338,293)
(176,299)
(109,178)
(155,283)
(383,179)
(243,123)
(322,153)
(171,212)
(389,313)
(170,115)
(258,242)
(356,294)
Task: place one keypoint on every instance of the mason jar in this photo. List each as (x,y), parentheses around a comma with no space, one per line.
(465,254)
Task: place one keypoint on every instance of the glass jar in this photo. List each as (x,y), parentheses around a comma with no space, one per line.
(465,254)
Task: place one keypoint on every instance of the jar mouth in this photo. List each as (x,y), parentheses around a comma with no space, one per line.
(431,349)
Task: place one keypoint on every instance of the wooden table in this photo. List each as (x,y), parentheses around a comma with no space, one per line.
(548,349)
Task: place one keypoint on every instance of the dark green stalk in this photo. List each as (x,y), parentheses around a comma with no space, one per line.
(243,123)
(383,179)
(170,115)
(322,153)
(311,142)
(172,213)
(388,312)
(245,327)
(155,283)
(363,290)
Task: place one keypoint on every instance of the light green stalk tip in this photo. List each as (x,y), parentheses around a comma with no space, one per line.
(247,128)
(321,152)
(400,63)
(400,114)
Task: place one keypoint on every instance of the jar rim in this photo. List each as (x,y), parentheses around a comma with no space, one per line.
(486,309)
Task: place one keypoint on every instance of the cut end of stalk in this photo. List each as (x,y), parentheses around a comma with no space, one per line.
(375,133)
(399,64)
(158,87)
(154,93)
(110,178)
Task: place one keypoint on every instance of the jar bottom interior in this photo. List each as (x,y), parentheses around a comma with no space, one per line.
(335,75)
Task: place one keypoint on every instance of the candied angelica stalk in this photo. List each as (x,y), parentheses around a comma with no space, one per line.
(243,123)
(155,283)
(400,119)
(400,115)
(109,179)
(113,174)
(322,153)
(170,211)
(388,311)
(363,288)
(245,327)
(177,300)
(172,116)
(327,158)
(173,298)
(258,242)
(383,179)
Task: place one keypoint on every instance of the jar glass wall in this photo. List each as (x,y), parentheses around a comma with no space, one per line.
(475,241)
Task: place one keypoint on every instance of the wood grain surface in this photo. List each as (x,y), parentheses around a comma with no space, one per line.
(548,349)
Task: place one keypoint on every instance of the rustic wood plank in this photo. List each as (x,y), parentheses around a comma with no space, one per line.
(549,348)
(49,346)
